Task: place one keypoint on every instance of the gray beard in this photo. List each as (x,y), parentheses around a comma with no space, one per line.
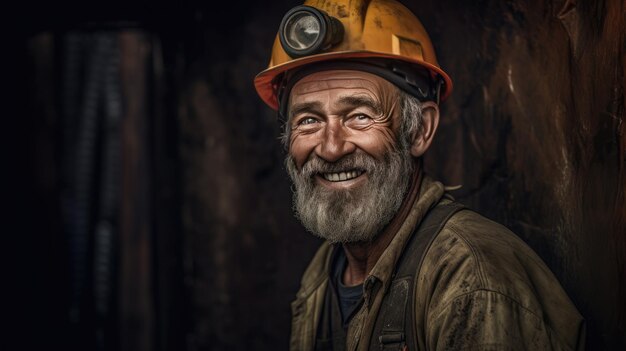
(355,215)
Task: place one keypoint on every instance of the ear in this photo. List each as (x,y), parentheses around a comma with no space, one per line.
(424,137)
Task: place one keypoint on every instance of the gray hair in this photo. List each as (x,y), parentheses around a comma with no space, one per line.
(412,118)
(411,124)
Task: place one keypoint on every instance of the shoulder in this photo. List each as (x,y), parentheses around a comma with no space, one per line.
(478,269)
(477,253)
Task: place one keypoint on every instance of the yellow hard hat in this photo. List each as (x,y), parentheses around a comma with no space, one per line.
(353,32)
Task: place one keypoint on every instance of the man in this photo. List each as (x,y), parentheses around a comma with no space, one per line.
(357,86)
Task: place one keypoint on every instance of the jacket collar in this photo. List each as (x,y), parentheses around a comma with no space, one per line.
(430,192)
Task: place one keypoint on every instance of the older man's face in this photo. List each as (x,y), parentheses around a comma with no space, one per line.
(334,113)
(344,158)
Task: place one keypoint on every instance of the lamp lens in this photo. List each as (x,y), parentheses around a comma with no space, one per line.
(302,30)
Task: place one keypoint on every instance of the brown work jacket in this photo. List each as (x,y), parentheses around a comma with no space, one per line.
(479,288)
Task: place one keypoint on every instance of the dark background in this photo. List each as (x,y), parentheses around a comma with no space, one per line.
(148,208)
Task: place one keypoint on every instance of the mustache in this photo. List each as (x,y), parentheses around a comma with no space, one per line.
(358,160)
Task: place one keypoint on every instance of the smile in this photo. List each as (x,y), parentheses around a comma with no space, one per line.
(341,176)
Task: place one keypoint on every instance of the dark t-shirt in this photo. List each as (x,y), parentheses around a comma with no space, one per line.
(349,296)
(341,303)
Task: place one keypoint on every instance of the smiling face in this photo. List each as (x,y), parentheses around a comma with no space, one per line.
(349,170)
(333,113)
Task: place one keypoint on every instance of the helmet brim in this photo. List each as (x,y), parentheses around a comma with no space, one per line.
(265,83)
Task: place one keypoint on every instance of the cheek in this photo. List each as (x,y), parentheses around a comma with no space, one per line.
(301,146)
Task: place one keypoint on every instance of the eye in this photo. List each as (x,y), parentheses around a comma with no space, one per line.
(362,117)
(359,120)
(307,120)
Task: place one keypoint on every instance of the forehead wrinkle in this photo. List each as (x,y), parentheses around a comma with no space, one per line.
(359,100)
(319,84)
(323,88)
(335,88)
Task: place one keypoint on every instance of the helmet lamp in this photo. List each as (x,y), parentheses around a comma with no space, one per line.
(306,30)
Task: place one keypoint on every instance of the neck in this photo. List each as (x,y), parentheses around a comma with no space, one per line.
(362,256)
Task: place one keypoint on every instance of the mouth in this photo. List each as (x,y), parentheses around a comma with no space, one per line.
(342,176)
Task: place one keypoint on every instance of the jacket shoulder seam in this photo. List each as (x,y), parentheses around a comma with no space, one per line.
(473,251)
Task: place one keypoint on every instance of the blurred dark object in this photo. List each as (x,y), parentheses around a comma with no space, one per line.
(98,110)
(91,115)
(152,211)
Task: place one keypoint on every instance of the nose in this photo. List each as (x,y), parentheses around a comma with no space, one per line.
(334,145)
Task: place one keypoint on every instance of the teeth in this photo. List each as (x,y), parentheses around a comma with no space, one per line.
(341,176)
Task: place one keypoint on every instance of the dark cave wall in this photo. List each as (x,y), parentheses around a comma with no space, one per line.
(536,124)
